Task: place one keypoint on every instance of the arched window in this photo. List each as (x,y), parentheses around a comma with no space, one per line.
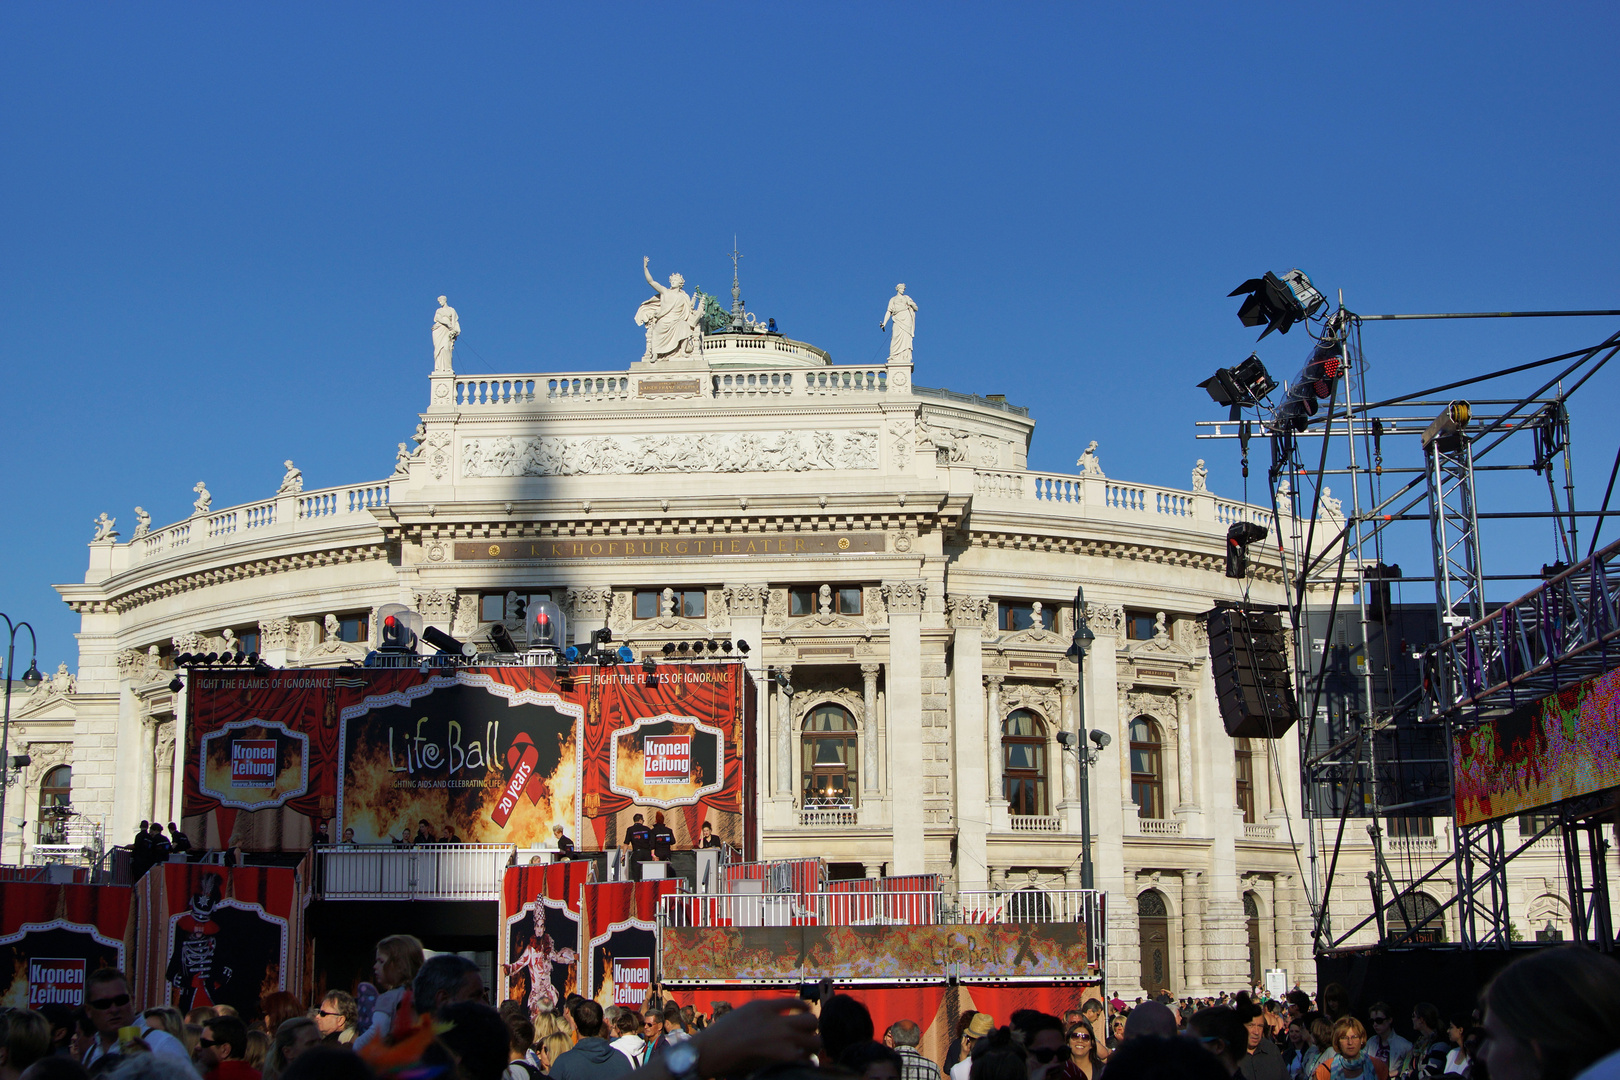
(1251,915)
(1023,763)
(1147,760)
(1153,925)
(829,774)
(1413,911)
(1244,768)
(55,794)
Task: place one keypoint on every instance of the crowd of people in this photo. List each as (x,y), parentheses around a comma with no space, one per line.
(1550,1015)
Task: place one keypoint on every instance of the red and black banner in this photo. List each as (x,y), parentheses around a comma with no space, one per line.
(620,921)
(53,936)
(539,942)
(211,935)
(478,755)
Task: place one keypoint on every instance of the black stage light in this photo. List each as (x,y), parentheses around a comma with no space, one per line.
(649,665)
(441,640)
(1238,539)
(175,685)
(726,645)
(1278,302)
(1315,382)
(1240,386)
(669,648)
(227,658)
(211,658)
(251,660)
(185,659)
(501,639)
(714,646)
(742,647)
(683,648)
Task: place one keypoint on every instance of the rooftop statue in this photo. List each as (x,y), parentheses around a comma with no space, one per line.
(104,529)
(203,501)
(293,481)
(671,319)
(446,328)
(143,522)
(903,310)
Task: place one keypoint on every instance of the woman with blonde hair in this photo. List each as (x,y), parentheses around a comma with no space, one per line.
(294,1036)
(1350,1060)
(552,1047)
(399,958)
(258,1045)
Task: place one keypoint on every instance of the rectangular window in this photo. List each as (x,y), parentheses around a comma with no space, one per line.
(248,640)
(686,603)
(842,600)
(354,629)
(1411,826)
(1531,824)
(1139,625)
(492,606)
(1245,781)
(1015,615)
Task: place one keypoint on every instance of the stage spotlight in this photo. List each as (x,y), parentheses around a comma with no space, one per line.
(669,648)
(501,639)
(1238,539)
(185,659)
(627,655)
(1448,426)
(175,685)
(545,625)
(742,647)
(1240,386)
(726,645)
(649,665)
(441,640)
(714,646)
(227,658)
(1279,303)
(251,660)
(683,648)
(211,658)
(571,653)
(1315,382)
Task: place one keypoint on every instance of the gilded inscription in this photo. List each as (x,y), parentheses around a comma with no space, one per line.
(674,547)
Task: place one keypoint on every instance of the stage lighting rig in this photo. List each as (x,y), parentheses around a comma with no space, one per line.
(1278,302)
(1238,539)
(1242,386)
(399,629)
(501,638)
(1315,382)
(1448,427)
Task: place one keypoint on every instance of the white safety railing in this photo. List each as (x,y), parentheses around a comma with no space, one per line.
(829,816)
(1254,830)
(423,872)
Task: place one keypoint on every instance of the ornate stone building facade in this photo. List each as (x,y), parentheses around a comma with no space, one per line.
(905,581)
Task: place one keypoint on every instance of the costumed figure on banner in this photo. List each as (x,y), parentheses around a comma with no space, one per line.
(538,959)
(194,965)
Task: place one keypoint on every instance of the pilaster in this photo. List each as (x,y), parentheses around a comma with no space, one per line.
(967,615)
(904,600)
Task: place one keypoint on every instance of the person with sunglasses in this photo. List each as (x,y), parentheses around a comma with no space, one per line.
(1043,1037)
(1084,1062)
(109,1006)
(1386,1044)
(337,1017)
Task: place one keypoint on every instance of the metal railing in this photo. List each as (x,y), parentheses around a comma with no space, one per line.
(803,909)
(423,872)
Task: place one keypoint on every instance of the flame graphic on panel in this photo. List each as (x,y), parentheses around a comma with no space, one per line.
(383,799)
(16,996)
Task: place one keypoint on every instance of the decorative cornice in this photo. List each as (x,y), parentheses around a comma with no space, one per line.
(120,603)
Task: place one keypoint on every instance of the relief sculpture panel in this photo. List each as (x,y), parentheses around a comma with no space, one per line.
(746,451)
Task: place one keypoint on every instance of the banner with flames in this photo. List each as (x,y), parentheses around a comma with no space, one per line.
(620,920)
(474,755)
(211,935)
(53,936)
(539,939)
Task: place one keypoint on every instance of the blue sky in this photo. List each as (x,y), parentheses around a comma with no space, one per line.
(226,224)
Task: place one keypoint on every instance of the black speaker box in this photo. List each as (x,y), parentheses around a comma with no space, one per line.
(1250,667)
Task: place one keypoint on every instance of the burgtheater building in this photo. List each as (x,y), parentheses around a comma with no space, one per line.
(905,585)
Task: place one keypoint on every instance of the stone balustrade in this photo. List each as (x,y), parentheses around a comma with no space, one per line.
(1159,826)
(321,508)
(1094,496)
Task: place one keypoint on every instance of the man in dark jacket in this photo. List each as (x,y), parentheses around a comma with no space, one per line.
(593,1057)
(1264,1061)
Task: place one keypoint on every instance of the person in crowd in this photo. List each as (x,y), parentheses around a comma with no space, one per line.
(107,1006)
(627,1027)
(1042,1036)
(708,839)
(444,980)
(60,1018)
(955,1052)
(179,842)
(1151,1057)
(871,1060)
(903,1037)
(1321,1039)
(278,1007)
(63,1067)
(450,836)
(1303,1052)
(25,1037)
(593,1057)
(1084,1062)
(258,1047)
(1386,1044)
(1350,1060)
(999,1056)
(399,958)
(223,1009)
(140,851)
(295,1036)
(1427,1057)
(159,844)
(519,1043)
(1334,1002)
(1299,1003)
(662,836)
(1092,1011)
(844,1022)
(978,1028)
(1553,1015)
(222,1050)
(1116,1034)
(1263,1061)
(674,1025)
(476,1035)
(552,1047)
(1222,1033)
(652,1031)
(200,1015)
(717,1009)
(337,1017)
(1458,1059)
(1150,1019)
(329,1063)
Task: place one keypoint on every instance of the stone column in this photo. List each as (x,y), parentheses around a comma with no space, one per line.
(905,602)
(972,781)
(1192,929)
(782,725)
(992,737)
(147,782)
(745,605)
(869,737)
(1067,765)
(1187,793)
(275,641)
(163,796)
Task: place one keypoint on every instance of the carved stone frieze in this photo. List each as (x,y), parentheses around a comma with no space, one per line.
(187,643)
(719,452)
(776,610)
(466,623)
(589,603)
(165,743)
(806,700)
(900,431)
(1161,705)
(437,448)
(1195,633)
(1043,699)
(904,597)
(967,612)
(138,665)
(747,601)
(1106,619)
(621,616)
(437,605)
(275,633)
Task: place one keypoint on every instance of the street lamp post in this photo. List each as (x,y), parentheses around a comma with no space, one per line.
(1075,742)
(31,679)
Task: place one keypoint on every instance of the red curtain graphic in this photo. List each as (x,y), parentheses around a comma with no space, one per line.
(620,921)
(53,936)
(212,935)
